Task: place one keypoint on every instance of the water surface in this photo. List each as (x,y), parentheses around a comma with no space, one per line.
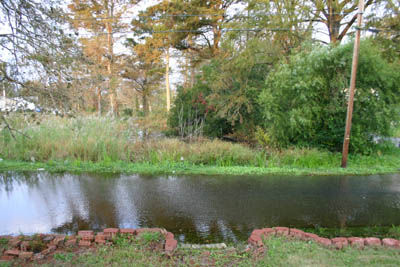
(194,208)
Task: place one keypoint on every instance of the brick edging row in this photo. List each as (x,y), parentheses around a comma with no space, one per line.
(19,248)
(256,238)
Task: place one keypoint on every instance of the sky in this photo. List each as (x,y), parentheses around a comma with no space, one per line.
(119,48)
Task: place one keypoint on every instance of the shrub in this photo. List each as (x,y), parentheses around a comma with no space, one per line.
(193,116)
(305,101)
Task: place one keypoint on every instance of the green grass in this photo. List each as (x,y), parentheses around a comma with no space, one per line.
(298,253)
(187,169)
(3,243)
(279,252)
(396,132)
(361,231)
(93,144)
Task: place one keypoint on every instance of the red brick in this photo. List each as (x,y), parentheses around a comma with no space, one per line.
(255,239)
(49,250)
(282,231)
(12,252)
(268,232)
(324,241)
(339,242)
(86,235)
(70,242)
(356,241)
(390,242)
(310,236)
(7,258)
(101,236)
(26,255)
(58,241)
(372,241)
(85,232)
(296,233)
(170,245)
(127,231)
(84,243)
(111,232)
(14,242)
(169,235)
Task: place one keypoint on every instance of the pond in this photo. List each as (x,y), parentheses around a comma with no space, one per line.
(197,209)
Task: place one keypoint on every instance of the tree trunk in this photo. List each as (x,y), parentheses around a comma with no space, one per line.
(217,37)
(110,14)
(167,88)
(192,70)
(99,101)
(136,103)
(185,77)
(145,104)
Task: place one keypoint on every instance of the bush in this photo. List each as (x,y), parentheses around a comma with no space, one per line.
(305,101)
(193,116)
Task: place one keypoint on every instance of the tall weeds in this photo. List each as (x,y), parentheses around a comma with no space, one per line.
(104,139)
(99,139)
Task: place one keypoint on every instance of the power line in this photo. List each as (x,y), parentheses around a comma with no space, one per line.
(375,30)
(186,15)
(90,34)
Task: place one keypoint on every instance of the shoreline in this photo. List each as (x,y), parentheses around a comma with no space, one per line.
(187,169)
(146,243)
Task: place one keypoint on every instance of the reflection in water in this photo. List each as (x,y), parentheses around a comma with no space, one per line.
(195,208)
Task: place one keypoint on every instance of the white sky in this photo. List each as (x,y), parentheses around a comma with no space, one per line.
(120,48)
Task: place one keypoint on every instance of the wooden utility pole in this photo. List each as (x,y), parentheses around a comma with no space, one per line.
(167,87)
(356,50)
(110,41)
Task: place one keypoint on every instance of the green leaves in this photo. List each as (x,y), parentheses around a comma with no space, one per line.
(304,102)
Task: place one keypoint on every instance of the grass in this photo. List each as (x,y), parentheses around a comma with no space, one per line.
(396,132)
(3,243)
(361,231)
(103,144)
(279,252)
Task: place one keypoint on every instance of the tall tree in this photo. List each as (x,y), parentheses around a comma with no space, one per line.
(157,21)
(99,18)
(287,23)
(143,69)
(338,15)
(387,29)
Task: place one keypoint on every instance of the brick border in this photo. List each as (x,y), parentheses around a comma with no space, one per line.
(19,246)
(257,236)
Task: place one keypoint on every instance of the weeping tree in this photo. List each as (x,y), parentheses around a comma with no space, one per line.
(304,102)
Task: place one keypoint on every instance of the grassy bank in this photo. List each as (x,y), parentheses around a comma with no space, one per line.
(92,144)
(177,168)
(278,252)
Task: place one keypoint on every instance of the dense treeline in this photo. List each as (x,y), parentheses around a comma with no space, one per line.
(270,72)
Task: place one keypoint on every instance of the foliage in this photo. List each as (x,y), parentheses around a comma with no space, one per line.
(64,257)
(236,79)
(386,29)
(150,237)
(280,252)
(305,101)
(99,139)
(3,243)
(193,116)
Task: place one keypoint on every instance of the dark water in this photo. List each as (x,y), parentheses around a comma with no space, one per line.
(194,208)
